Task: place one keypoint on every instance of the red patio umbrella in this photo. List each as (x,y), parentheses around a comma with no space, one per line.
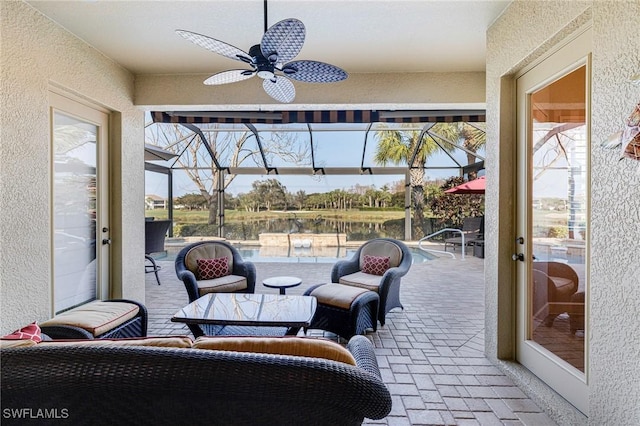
(476,186)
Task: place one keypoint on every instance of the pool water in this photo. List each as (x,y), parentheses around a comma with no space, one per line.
(296,255)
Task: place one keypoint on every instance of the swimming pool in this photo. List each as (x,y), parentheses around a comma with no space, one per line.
(259,254)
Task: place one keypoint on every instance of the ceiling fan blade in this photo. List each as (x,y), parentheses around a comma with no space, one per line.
(216,46)
(281,89)
(283,41)
(230,76)
(314,72)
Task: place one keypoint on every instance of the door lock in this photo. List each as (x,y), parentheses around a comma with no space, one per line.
(518,256)
(106,241)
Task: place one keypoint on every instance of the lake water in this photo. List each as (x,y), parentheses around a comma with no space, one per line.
(251,229)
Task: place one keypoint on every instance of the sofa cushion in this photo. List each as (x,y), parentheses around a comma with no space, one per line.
(226,284)
(375,265)
(163,342)
(360,279)
(16,343)
(30,332)
(209,269)
(207,251)
(96,317)
(338,295)
(382,248)
(295,346)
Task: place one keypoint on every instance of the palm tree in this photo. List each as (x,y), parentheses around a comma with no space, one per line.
(473,137)
(397,147)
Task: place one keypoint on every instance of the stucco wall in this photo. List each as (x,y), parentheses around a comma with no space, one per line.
(36,53)
(363,89)
(522,34)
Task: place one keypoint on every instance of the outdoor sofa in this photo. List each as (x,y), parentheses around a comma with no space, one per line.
(212,380)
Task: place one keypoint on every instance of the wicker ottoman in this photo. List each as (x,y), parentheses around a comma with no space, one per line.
(344,310)
(100,319)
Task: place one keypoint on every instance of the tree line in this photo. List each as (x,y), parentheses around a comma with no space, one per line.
(271,194)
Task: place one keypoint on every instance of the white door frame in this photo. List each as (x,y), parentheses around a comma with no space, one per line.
(563,378)
(70,105)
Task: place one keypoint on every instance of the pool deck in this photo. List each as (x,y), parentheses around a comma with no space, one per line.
(430,354)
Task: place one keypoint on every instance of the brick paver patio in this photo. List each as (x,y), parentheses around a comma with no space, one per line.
(430,354)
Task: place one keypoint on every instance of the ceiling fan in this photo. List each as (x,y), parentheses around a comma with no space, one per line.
(270,60)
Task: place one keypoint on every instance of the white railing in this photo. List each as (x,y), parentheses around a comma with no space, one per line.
(440,251)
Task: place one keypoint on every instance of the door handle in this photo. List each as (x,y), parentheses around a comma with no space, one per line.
(518,256)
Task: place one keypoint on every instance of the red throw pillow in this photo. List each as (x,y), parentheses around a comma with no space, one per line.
(30,332)
(375,265)
(209,269)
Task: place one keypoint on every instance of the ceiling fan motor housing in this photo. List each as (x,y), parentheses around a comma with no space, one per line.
(265,68)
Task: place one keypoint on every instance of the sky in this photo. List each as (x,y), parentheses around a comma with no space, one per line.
(338,147)
(332,149)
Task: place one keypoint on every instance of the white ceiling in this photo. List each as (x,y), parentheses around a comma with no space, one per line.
(360,36)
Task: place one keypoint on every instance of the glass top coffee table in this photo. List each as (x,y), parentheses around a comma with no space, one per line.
(253,311)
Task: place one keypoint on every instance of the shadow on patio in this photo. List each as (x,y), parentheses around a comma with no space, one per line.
(430,354)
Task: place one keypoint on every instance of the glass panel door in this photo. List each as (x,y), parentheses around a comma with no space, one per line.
(553,219)
(79,210)
(558,151)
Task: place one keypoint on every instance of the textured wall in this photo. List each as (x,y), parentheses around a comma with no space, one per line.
(34,54)
(363,89)
(522,34)
(615,248)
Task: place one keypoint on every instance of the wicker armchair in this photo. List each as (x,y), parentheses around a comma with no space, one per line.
(93,385)
(240,277)
(387,286)
(554,285)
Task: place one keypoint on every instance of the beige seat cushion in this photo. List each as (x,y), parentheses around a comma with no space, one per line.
(96,317)
(361,279)
(295,346)
(207,251)
(338,295)
(382,248)
(16,343)
(162,342)
(226,284)
(564,286)
(561,282)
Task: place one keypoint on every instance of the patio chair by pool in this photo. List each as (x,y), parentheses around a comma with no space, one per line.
(155,232)
(378,265)
(214,267)
(472,227)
